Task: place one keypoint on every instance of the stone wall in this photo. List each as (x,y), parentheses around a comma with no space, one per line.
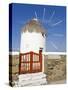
(56,68)
(13,68)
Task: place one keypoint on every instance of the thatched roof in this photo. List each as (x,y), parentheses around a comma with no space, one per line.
(34,25)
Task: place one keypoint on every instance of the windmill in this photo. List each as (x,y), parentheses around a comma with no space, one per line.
(50,25)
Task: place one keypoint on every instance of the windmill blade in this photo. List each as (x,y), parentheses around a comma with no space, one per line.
(53,44)
(57,23)
(43,15)
(58,35)
(50,19)
(36,15)
(51,16)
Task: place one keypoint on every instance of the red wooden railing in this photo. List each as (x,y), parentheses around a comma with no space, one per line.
(30,62)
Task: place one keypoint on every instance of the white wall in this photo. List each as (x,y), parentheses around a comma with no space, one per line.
(31,42)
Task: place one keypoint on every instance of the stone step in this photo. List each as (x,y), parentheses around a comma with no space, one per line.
(33,82)
(31,76)
(32,79)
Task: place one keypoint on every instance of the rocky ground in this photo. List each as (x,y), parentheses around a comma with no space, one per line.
(56,70)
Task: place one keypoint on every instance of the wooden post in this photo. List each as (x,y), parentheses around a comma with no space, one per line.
(31,61)
(20,64)
(40,59)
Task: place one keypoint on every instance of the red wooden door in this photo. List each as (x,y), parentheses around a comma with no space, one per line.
(30,63)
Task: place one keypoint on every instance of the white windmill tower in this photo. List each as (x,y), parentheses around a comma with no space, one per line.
(33,37)
(33,40)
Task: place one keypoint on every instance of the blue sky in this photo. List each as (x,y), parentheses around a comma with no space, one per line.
(54,21)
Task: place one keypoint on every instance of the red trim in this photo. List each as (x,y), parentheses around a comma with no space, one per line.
(29,53)
(31,61)
(40,58)
(20,64)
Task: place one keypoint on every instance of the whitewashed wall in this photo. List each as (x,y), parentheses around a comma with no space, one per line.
(31,42)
